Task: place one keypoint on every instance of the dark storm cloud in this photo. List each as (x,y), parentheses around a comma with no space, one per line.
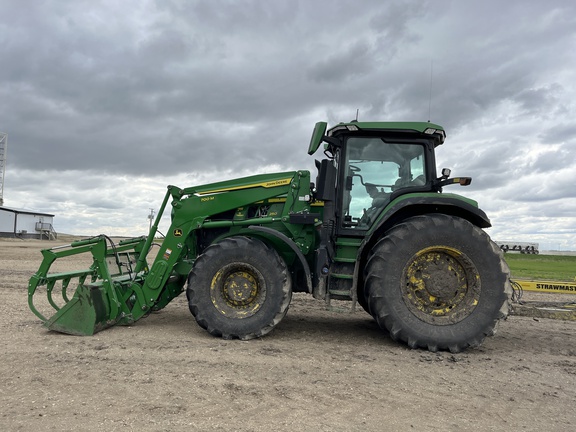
(353,62)
(560,133)
(486,56)
(95,91)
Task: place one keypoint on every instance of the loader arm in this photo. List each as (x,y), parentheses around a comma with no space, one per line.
(196,208)
(106,296)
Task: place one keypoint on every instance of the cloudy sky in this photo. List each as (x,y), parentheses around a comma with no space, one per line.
(105,103)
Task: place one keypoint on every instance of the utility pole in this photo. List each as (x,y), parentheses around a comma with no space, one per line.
(3,150)
(151,218)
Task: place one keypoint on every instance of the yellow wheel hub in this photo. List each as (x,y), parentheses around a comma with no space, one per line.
(440,285)
(238,290)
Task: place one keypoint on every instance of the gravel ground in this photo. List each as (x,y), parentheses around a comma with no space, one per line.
(317,371)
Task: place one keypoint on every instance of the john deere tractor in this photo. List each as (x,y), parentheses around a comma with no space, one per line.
(374,228)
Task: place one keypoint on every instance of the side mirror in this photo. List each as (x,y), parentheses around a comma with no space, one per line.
(317,137)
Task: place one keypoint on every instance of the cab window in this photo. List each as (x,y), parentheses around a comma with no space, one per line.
(373,170)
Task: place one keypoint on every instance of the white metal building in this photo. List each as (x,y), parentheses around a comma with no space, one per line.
(26,224)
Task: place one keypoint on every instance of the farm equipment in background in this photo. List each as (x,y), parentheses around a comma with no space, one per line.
(523,248)
(558,307)
(374,229)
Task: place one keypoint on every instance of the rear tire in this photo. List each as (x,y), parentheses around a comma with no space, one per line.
(239,288)
(437,282)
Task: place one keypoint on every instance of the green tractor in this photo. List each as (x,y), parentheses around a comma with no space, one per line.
(374,229)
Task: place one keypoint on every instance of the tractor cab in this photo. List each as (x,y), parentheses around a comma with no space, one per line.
(374,163)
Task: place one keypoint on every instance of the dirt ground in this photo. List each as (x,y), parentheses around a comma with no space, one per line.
(317,371)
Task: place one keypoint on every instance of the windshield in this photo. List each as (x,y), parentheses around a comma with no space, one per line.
(375,169)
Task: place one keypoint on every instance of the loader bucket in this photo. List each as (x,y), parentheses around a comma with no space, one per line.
(86,313)
(103,293)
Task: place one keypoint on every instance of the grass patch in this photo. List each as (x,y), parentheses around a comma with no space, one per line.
(542,267)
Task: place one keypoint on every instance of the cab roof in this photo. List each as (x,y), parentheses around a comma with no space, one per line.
(422,127)
(321,133)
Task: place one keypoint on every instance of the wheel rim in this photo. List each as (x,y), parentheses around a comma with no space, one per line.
(440,285)
(238,290)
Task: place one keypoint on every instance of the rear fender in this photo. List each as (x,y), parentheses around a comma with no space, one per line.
(405,207)
(408,206)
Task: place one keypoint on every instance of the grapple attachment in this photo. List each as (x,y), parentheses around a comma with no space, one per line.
(106,291)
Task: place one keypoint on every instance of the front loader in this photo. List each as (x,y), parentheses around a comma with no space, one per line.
(375,228)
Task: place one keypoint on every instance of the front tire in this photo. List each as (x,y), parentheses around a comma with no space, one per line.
(437,282)
(239,288)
